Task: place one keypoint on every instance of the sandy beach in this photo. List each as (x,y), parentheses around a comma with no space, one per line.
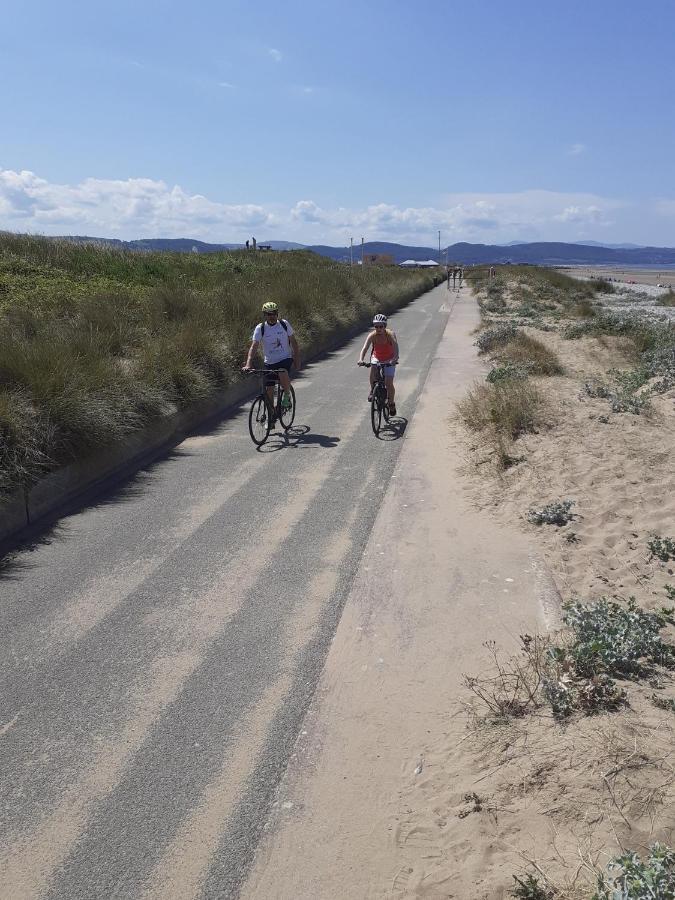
(406,784)
(652,277)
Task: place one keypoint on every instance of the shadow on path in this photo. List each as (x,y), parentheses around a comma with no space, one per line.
(394,429)
(297,436)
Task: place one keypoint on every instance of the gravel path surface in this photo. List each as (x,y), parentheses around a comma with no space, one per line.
(160,649)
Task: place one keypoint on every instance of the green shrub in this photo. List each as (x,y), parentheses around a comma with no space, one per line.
(507,371)
(661,548)
(496,337)
(617,640)
(631,878)
(558,513)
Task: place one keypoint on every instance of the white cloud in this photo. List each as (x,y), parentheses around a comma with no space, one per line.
(225,84)
(592,215)
(143,207)
(577,149)
(135,207)
(275,54)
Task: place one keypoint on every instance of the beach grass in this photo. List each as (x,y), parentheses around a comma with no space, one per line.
(96,342)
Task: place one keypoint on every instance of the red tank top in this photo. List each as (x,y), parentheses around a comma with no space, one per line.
(383,349)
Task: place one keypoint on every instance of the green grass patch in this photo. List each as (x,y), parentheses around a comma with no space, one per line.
(96,342)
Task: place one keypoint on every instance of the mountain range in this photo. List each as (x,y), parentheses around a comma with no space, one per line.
(538,253)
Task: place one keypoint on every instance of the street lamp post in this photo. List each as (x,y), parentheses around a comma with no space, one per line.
(351,252)
(439,246)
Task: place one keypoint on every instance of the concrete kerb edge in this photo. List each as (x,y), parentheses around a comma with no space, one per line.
(26,513)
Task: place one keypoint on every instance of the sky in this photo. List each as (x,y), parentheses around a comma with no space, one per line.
(491,120)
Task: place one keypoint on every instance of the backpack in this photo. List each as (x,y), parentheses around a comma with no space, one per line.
(284,325)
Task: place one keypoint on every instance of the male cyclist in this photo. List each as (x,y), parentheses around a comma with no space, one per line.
(384,349)
(280,350)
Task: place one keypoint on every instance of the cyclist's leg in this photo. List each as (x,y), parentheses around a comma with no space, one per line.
(373,378)
(391,390)
(284,378)
(270,382)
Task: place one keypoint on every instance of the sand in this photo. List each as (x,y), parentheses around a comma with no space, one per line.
(398,788)
(625,275)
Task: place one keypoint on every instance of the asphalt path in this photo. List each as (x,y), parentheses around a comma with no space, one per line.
(159,649)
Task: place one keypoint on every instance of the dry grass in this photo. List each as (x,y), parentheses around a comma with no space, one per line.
(510,407)
(524,350)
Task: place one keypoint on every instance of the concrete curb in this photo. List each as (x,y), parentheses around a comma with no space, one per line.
(28,512)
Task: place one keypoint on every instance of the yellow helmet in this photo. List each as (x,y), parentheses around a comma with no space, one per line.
(270,307)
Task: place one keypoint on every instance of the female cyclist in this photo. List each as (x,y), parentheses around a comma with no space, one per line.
(384,349)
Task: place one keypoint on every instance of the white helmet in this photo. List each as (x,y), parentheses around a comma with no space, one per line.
(379,319)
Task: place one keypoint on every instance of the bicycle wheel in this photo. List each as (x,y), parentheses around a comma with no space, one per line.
(259,421)
(385,406)
(376,412)
(286,416)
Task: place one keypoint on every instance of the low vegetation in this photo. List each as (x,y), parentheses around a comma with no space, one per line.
(605,677)
(627,877)
(96,342)
(576,670)
(557,513)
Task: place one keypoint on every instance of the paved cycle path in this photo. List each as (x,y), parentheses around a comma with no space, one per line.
(160,649)
(365,809)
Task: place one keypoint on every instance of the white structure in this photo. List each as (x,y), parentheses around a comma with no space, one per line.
(417,263)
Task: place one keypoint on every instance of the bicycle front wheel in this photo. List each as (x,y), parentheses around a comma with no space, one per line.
(287,416)
(375,413)
(259,421)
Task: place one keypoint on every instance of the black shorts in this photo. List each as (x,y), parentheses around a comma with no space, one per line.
(274,367)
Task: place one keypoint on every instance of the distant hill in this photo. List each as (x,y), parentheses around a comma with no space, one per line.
(544,253)
(611,246)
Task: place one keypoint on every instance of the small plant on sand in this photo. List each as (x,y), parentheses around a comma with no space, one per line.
(530,889)
(512,690)
(558,513)
(662,548)
(604,641)
(670,591)
(631,878)
(617,640)
(621,393)
(509,407)
(663,703)
(507,371)
(495,337)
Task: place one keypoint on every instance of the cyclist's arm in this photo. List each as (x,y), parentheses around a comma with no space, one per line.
(395,339)
(364,349)
(296,350)
(253,349)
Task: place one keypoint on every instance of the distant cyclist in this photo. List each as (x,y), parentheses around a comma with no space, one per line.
(280,350)
(383,347)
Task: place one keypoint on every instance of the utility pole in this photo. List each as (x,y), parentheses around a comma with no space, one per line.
(351,252)
(362,251)
(439,246)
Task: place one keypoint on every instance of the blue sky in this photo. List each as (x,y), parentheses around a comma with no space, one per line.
(491,120)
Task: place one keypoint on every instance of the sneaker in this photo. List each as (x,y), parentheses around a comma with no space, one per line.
(370,397)
(392,408)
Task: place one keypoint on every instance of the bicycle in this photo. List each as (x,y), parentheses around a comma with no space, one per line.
(379,406)
(264,414)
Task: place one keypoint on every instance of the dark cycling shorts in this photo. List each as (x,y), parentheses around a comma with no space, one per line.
(273,367)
